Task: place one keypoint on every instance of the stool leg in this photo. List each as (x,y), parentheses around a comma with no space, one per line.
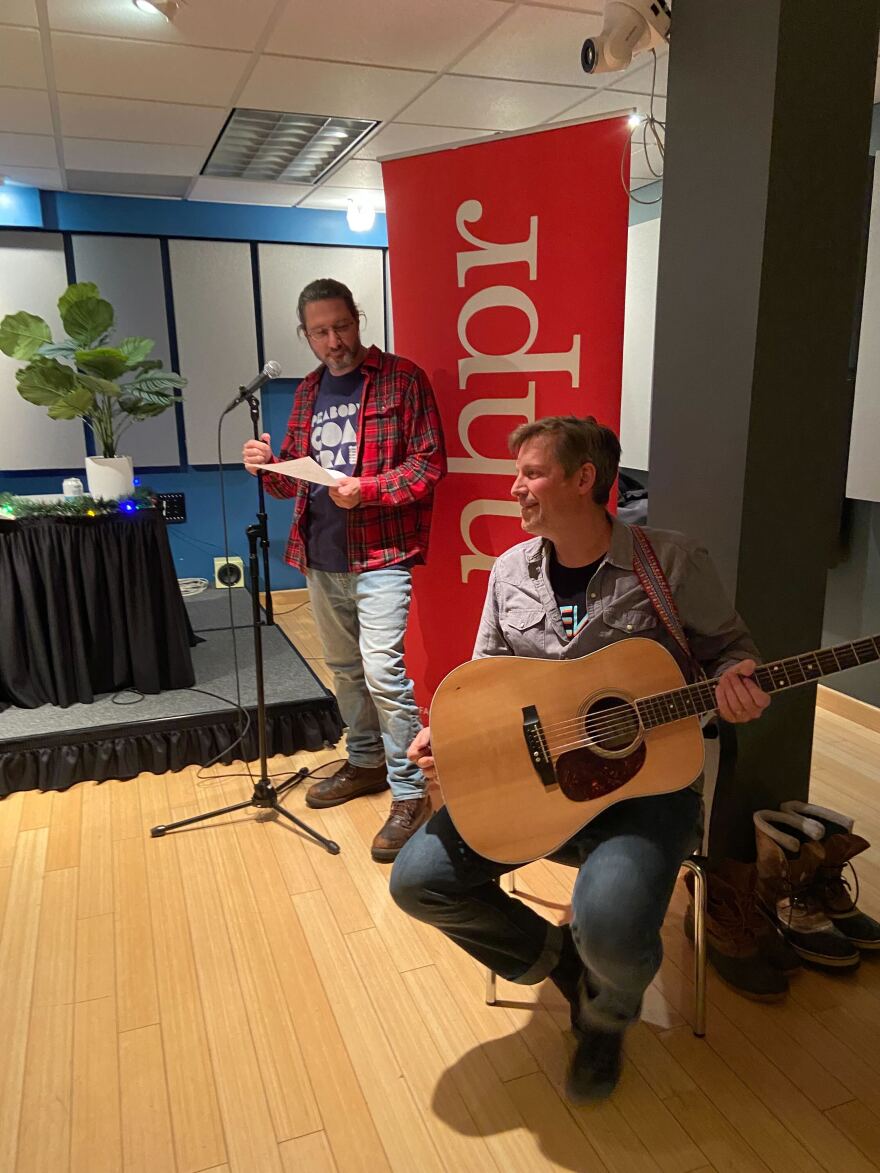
(490,987)
(700,951)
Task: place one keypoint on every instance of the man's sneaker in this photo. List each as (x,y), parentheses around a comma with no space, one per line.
(594,1071)
(348,782)
(404,819)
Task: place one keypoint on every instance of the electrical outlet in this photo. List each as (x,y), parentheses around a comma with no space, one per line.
(173,506)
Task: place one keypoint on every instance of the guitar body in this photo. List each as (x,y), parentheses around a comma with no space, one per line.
(581,711)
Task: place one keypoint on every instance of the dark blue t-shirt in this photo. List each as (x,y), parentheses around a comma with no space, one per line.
(333,445)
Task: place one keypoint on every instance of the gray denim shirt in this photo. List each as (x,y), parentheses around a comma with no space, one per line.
(521,617)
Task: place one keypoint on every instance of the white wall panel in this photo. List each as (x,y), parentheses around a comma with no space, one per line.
(284,271)
(128,271)
(216,340)
(638,343)
(863,479)
(33,275)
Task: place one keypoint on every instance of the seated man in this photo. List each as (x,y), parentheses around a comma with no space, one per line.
(579,568)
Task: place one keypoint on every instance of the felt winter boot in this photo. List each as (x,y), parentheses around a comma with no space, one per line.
(831,888)
(790,854)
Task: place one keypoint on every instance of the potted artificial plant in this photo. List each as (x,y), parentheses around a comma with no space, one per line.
(108,386)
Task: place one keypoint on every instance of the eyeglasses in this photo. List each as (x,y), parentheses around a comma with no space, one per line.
(323,332)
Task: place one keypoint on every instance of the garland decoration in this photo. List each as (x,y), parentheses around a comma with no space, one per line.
(13,508)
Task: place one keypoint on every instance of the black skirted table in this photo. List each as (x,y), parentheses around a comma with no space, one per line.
(89,605)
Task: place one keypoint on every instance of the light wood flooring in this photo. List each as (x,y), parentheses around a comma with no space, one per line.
(234,998)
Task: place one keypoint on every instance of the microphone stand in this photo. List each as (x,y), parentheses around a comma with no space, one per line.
(262,516)
(265,795)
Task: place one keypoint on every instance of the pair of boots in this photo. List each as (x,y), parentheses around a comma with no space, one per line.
(802,852)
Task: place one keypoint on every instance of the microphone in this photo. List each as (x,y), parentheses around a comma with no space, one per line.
(271,370)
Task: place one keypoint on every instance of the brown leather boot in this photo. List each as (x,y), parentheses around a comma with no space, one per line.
(405,817)
(348,782)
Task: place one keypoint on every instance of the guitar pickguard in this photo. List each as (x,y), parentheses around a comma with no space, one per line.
(583,775)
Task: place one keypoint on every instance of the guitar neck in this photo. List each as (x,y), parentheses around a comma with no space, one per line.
(696,700)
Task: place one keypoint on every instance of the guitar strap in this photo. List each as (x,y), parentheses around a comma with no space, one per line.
(647,566)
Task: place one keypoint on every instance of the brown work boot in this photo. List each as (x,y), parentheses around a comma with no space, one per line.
(405,818)
(348,782)
(790,858)
(830,887)
(735,932)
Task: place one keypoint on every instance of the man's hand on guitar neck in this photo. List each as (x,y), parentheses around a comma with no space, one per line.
(420,753)
(738,697)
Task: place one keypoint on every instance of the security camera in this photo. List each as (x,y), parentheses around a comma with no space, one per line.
(629,27)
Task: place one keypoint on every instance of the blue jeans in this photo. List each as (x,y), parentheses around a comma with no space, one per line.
(627,861)
(361,619)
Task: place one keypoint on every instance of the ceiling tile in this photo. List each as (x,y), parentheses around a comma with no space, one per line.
(357,173)
(145,122)
(337,198)
(133,69)
(327,87)
(398,137)
(218,24)
(498,105)
(25,111)
(48,177)
(415,34)
(21,58)
(134,158)
(27,150)
(608,101)
(637,79)
(535,44)
(243,191)
(20,12)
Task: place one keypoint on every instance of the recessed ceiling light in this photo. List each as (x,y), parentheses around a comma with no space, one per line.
(165,8)
(635,119)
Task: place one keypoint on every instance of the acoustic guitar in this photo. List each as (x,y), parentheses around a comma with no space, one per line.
(529,751)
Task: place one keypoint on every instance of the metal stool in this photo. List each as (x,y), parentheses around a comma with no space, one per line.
(695,864)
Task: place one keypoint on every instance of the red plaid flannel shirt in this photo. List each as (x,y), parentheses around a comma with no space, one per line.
(400,458)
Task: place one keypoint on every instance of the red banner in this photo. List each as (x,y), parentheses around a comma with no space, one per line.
(508,273)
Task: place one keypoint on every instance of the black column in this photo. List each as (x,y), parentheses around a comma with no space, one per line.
(761,262)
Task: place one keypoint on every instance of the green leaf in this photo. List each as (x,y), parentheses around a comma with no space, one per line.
(135,349)
(66,349)
(22,335)
(142,409)
(106,361)
(148,364)
(78,402)
(151,381)
(78,292)
(44,382)
(87,319)
(97,385)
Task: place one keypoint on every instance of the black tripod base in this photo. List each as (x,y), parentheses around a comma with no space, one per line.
(264,797)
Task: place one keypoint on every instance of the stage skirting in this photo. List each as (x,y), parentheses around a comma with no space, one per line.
(120,736)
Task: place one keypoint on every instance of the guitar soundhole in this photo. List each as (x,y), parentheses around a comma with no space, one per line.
(611,725)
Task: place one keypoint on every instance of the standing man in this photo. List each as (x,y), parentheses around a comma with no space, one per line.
(371,416)
(571,589)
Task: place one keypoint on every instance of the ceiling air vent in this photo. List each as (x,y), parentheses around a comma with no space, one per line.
(272,146)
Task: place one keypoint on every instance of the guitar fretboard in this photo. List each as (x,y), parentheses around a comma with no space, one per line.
(694,700)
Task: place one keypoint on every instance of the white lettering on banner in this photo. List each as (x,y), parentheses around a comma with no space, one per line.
(493,253)
(476,462)
(520,360)
(477,559)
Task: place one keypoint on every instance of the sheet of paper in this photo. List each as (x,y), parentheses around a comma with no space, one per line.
(306,469)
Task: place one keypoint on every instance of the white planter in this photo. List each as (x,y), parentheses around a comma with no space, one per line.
(110,476)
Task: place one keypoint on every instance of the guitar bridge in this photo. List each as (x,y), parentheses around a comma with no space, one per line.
(537,746)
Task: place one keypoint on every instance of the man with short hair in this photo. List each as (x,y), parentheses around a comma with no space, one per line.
(370,416)
(570,590)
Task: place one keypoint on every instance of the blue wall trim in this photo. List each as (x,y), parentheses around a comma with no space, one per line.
(66,212)
(20,206)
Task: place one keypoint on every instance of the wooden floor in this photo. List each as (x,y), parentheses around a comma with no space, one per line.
(234,998)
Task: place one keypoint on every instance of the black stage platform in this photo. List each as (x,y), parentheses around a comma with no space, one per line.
(51,748)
